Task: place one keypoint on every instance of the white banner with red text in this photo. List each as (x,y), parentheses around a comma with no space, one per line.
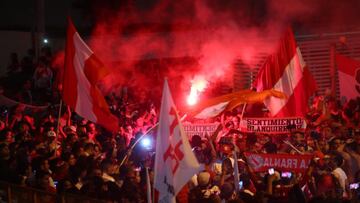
(272,125)
(200,129)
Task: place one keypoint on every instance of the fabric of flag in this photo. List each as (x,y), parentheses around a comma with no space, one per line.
(175,163)
(215,106)
(286,71)
(349,76)
(82,71)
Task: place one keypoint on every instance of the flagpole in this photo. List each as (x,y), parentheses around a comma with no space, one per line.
(236,166)
(242,112)
(148,186)
(58,126)
(333,69)
(292,146)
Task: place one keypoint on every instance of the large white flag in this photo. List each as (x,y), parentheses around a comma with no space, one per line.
(175,163)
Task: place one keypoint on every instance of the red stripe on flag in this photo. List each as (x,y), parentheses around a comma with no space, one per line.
(297,103)
(102,112)
(69,78)
(94,69)
(346,64)
(274,66)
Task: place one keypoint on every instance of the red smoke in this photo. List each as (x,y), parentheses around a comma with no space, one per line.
(145,40)
(209,34)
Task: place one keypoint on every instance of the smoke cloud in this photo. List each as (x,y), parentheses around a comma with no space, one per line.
(144,41)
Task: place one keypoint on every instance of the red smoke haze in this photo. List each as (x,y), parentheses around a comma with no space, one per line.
(143,41)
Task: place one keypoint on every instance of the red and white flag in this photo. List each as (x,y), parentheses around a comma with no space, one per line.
(83,70)
(286,71)
(175,163)
(349,76)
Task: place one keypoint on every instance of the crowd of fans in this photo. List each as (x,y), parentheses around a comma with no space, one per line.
(73,155)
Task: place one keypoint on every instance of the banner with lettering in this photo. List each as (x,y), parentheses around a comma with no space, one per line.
(281,162)
(272,125)
(200,129)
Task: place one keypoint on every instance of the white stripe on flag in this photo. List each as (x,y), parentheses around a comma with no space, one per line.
(84,106)
(212,111)
(287,83)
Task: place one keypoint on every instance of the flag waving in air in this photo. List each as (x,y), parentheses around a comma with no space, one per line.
(286,71)
(175,163)
(349,76)
(215,106)
(83,70)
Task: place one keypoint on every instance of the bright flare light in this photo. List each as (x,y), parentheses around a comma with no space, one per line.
(146,142)
(198,84)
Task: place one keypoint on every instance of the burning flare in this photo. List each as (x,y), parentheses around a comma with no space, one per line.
(198,84)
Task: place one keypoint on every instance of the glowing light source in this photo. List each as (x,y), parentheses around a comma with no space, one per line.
(146,142)
(198,84)
(45,41)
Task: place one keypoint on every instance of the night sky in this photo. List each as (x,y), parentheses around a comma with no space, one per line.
(20,14)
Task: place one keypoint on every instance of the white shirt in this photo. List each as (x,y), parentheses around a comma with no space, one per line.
(341,176)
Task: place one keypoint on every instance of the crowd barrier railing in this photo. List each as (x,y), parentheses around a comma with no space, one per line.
(12,193)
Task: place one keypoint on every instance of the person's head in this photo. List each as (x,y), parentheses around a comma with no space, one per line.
(227,191)
(327,132)
(89,148)
(69,158)
(129,129)
(298,137)
(4,152)
(96,172)
(97,150)
(23,127)
(91,127)
(6,136)
(310,142)
(107,167)
(196,141)
(51,135)
(43,179)
(81,130)
(203,179)
(71,139)
(323,145)
(236,121)
(335,143)
(251,139)
(337,160)
(69,129)
(270,148)
(226,145)
(44,164)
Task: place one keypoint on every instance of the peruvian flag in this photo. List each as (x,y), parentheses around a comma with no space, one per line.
(81,73)
(175,163)
(286,71)
(349,76)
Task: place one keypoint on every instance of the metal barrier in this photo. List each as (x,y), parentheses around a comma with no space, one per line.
(11,193)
